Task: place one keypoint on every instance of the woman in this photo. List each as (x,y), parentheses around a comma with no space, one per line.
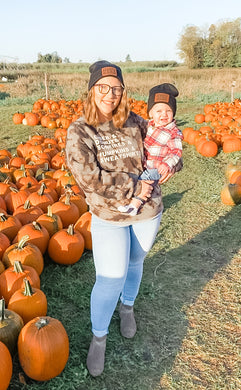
(104,151)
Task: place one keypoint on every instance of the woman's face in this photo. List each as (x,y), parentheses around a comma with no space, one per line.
(107,102)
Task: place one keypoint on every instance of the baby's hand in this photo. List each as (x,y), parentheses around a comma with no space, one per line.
(163,169)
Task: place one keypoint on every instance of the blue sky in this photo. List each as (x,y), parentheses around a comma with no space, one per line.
(105,29)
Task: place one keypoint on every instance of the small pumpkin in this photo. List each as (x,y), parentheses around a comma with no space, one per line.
(66,246)
(25,252)
(52,222)
(43,348)
(38,235)
(29,302)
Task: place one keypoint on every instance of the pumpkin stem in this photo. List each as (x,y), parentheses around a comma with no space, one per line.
(2,309)
(17,266)
(23,241)
(42,188)
(36,225)
(67,199)
(13,189)
(27,204)
(49,211)
(70,229)
(28,291)
(43,321)
(3,217)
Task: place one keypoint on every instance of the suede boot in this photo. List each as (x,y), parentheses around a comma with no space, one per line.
(96,355)
(128,322)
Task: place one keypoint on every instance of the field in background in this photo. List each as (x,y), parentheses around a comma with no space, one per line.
(216,83)
(188,309)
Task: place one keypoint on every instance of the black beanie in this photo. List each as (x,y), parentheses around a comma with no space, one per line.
(103,69)
(163,93)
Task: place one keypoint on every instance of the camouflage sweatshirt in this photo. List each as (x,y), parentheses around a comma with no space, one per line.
(106,163)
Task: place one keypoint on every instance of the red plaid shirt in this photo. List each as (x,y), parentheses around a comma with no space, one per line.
(162,145)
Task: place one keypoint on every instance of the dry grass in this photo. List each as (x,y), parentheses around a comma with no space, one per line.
(190,83)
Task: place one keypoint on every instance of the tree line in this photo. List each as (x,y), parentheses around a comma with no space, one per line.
(218,46)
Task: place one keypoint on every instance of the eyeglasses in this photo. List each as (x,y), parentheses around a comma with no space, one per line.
(105,88)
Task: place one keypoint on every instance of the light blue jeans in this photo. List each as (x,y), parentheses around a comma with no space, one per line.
(119,254)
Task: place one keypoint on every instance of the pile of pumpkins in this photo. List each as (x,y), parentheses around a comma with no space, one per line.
(54,114)
(220,129)
(42,211)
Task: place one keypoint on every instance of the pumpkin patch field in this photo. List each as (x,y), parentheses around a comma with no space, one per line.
(188,309)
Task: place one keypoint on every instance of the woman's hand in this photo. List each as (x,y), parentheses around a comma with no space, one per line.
(146,189)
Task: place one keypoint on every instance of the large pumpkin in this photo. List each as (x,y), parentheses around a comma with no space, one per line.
(43,348)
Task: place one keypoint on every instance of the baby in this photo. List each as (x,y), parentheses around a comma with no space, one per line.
(163,141)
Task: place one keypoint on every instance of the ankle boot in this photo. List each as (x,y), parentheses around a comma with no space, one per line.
(96,355)
(128,322)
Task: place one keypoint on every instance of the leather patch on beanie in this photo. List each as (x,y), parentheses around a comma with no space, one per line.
(109,71)
(161,97)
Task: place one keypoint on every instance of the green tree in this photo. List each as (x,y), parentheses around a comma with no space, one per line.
(220,46)
(49,58)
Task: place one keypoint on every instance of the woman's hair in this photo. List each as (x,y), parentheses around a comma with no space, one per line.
(119,115)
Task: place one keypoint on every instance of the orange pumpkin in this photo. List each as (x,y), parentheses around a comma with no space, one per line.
(25,252)
(12,279)
(66,246)
(43,348)
(83,225)
(6,367)
(29,302)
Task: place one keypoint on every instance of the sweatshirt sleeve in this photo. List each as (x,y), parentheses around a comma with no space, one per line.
(89,175)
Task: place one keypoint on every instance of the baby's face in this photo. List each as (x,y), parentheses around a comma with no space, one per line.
(161,113)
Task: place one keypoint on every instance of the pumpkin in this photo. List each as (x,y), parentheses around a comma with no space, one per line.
(32,119)
(77,199)
(6,367)
(25,252)
(231,194)
(4,244)
(199,118)
(11,279)
(15,198)
(38,235)
(40,198)
(29,302)
(27,213)
(52,222)
(18,118)
(9,225)
(66,246)
(43,348)
(232,145)
(66,210)
(208,148)
(83,225)
(10,325)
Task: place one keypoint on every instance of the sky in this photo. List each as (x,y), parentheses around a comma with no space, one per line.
(90,30)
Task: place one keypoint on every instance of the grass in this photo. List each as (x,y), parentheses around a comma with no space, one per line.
(188,308)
